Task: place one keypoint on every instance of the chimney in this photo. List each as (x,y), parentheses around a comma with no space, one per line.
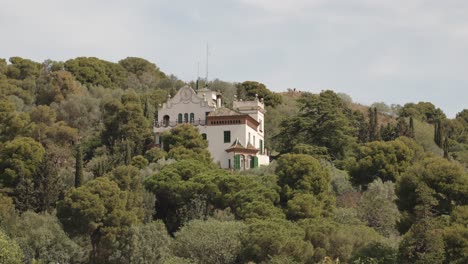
(218,101)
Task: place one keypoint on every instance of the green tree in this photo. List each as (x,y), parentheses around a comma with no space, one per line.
(78,166)
(375,252)
(267,238)
(185,141)
(422,244)
(174,187)
(431,187)
(97,209)
(124,120)
(43,240)
(424,111)
(93,71)
(250,89)
(337,241)
(210,241)
(10,252)
(456,236)
(377,207)
(22,68)
(48,185)
(12,122)
(19,158)
(142,74)
(302,173)
(146,244)
(323,121)
(384,160)
(55,87)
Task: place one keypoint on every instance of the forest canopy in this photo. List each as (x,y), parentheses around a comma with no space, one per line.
(82,180)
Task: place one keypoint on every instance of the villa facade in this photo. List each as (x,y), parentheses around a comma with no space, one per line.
(235,136)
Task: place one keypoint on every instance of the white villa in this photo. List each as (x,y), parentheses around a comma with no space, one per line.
(235,136)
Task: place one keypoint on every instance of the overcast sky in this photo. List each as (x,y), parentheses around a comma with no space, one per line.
(395,51)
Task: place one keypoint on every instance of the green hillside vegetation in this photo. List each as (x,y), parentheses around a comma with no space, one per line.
(82,181)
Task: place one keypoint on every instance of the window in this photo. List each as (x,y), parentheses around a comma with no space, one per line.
(253,141)
(185,118)
(166,120)
(229,163)
(248,140)
(206,115)
(261,147)
(261,125)
(203,136)
(192,118)
(227,136)
(179,119)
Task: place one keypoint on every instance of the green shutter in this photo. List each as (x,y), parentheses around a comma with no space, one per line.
(227,136)
(261,147)
(237,162)
(255,162)
(179,120)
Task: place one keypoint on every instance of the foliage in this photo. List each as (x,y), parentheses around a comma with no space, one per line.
(209,241)
(185,142)
(97,209)
(267,238)
(431,187)
(335,240)
(377,207)
(322,121)
(423,243)
(384,160)
(145,244)
(19,157)
(10,252)
(43,240)
(250,90)
(424,111)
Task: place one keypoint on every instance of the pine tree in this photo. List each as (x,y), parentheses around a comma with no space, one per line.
(78,166)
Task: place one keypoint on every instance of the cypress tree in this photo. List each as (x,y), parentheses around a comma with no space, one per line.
(438,133)
(373,125)
(411,127)
(128,153)
(376,125)
(446,148)
(78,166)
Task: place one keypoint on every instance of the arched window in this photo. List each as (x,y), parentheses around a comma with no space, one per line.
(203,136)
(192,117)
(179,119)
(185,118)
(166,120)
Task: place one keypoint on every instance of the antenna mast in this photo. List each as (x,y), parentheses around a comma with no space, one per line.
(207,55)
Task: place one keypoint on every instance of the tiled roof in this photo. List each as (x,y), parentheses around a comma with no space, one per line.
(223,111)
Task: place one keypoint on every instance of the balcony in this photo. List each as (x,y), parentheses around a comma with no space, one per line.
(164,123)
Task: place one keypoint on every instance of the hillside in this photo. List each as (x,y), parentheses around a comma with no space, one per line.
(82,179)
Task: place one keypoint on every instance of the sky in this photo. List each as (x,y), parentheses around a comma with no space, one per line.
(395,51)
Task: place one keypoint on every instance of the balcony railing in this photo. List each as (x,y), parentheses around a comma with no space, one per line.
(164,123)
